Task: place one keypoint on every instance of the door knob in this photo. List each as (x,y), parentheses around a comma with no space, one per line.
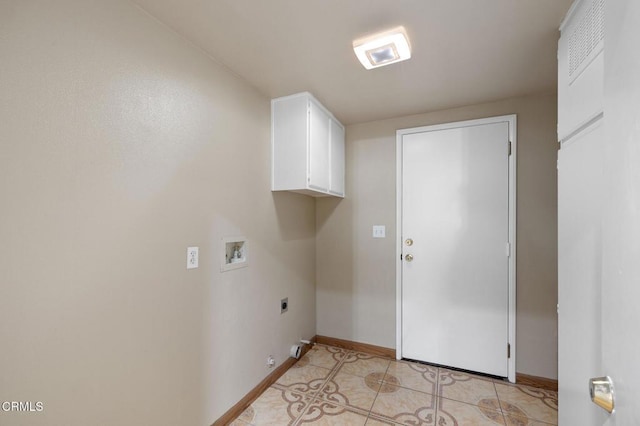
(408,257)
(601,390)
(408,242)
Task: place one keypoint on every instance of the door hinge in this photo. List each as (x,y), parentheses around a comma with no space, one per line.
(509,147)
(508,350)
(508,249)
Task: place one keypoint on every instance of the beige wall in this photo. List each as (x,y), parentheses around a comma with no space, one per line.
(356,273)
(121,144)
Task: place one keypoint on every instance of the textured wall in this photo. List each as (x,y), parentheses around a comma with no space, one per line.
(356,273)
(121,144)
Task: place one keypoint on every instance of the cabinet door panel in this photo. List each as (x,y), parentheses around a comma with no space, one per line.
(580,201)
(289,144)
(580,67)
(337,159)
(318,149)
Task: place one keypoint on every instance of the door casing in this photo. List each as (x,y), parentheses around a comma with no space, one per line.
(511,120)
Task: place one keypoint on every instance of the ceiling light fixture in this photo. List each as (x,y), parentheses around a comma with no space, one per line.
(384,48)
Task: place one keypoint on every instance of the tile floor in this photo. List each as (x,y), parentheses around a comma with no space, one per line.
(332,386)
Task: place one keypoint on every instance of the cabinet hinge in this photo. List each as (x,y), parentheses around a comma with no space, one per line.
(508,350)
(509,147)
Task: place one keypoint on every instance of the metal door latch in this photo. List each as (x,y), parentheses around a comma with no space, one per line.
(601,390)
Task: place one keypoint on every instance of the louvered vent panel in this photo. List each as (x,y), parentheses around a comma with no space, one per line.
(586,36)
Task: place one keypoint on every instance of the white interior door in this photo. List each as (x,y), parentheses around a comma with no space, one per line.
(580,198)
(599,315)
(455,234)
(621,215)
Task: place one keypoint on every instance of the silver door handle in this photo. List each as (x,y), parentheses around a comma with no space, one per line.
(408,257)
(601,391)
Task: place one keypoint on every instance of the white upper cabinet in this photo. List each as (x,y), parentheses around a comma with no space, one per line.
(319,140)
(580,67)
(336,150)
(307,145)
(581,197)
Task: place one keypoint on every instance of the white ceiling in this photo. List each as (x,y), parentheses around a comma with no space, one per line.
(464,51)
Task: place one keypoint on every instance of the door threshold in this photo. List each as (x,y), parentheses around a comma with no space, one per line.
(461,370)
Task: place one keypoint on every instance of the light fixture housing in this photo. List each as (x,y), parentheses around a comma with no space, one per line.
(385,48)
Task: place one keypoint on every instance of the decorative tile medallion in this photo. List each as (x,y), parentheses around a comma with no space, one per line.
(373,380)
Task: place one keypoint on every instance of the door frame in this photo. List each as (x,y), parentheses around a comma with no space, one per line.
(511,120)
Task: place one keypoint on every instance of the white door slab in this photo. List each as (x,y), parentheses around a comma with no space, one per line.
(621,216)
(608,158)
(579,273)
(455,234)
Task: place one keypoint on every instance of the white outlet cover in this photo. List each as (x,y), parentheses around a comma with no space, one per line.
(379,231)
(192,257)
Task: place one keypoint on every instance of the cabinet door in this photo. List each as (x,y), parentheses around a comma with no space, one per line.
(580,201)
(336,153)
(318,177)
(580,67)
(289,150)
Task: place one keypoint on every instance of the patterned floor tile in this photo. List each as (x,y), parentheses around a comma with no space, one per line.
(248,414)
(350,391)
(360,364)
(372,421)
(455,413)
(467,388)
(323,356)
(307,379)
(413,376)
(522,421)
(404,406)
(524,401)
(275,407)
(326,413)
(331,386)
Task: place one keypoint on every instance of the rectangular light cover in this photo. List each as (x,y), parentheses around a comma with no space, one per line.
(383,48)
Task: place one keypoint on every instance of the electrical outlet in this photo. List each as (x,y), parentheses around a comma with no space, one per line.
(284,305)
(379,231)
(192,257)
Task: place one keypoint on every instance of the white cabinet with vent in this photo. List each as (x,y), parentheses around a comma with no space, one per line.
(307,147)
(580,67)
(580,200)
